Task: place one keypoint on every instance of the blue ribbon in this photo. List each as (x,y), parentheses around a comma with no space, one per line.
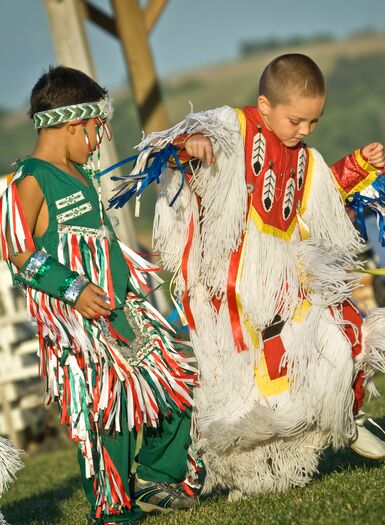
(117,165)
(156,163)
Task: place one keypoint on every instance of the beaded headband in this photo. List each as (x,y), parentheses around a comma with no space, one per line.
(86,110)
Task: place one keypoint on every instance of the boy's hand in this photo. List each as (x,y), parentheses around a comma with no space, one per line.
(199,146)
(374,152)
(91,302)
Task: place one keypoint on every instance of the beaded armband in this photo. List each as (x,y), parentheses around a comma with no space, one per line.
(37,265)
(71,289)
(45,273)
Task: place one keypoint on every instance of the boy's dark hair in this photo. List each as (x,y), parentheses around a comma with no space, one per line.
(63,86)
(290,74)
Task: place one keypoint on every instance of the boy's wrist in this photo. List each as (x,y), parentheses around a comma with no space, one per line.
(71,289)
(363,155)
(180,143)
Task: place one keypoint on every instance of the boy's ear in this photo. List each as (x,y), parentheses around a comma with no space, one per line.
(264,105)
(71,128)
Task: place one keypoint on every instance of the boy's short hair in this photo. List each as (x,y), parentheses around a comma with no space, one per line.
(63,86)
(292,73)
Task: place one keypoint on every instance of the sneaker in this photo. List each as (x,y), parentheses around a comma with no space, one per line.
(367,444)
(164,497)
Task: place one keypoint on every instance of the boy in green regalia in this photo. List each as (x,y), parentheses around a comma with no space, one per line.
(109,358)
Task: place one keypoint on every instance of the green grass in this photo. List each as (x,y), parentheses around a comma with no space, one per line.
(348,490)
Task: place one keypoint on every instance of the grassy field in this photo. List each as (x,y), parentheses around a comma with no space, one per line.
(347,490)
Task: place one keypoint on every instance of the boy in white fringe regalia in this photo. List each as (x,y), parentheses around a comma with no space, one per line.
(263,251)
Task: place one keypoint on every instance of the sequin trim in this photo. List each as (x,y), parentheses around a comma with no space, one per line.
(69,200)
(75,212)
(142,345)
(39,263)
(72,287)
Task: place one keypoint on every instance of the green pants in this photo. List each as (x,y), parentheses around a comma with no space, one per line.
(162,457)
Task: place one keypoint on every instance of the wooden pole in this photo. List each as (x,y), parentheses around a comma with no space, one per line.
(72,49)
(151,12)
(129,20)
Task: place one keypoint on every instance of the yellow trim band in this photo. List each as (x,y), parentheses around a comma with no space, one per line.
(242,122)
(266,386)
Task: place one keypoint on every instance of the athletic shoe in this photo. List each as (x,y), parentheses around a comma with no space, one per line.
(367,444)
(164,497)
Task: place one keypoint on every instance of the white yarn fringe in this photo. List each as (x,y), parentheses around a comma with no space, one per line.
(170,229)
(327,272)
(320,372)
(207,122)
(315,349)
(10,463)
(372,357)
(223,192)
(325,213)
(274,466)
(275,269)
(221,227)
(270,278)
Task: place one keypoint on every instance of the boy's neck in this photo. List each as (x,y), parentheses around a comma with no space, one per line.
(50,148)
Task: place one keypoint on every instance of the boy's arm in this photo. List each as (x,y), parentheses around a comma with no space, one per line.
(31,198)
(38,269)
(359,170)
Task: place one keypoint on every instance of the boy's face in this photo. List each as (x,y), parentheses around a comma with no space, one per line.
(291,122)
(79,149)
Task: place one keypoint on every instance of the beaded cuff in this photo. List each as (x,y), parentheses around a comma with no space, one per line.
(45,273)
(38,264)
(72,287)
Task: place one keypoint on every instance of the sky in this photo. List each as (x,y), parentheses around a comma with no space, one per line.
(188,35)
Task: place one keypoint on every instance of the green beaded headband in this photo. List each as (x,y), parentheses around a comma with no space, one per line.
(52,117)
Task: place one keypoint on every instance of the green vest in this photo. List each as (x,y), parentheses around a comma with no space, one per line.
(72,203)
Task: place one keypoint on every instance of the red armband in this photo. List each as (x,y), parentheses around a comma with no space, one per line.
(353,173)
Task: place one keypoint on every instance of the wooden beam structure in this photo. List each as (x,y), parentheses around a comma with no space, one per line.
(72,49)
(130,24)
(145,87)
(151,12)
(98,17)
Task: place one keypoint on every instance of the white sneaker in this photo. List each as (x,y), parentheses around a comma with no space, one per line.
(367,444)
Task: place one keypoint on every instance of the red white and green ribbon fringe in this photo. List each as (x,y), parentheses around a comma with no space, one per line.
(87,364)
